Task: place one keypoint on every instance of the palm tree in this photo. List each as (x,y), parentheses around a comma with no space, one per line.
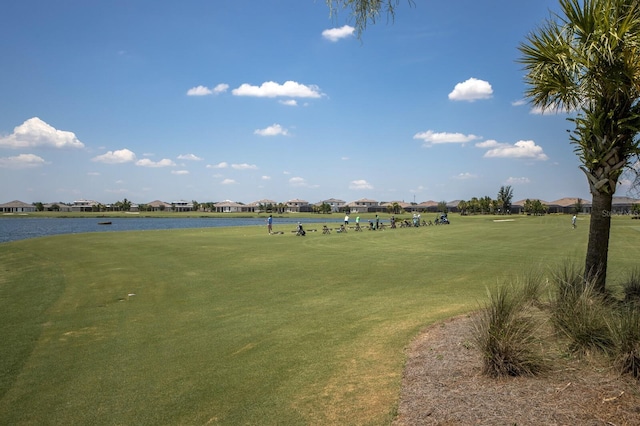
(588,61)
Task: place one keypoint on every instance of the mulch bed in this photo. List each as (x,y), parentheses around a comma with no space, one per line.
(443,385)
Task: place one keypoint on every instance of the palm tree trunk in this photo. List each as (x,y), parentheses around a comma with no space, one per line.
(595,268)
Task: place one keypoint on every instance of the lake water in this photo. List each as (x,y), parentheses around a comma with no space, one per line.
(21,228)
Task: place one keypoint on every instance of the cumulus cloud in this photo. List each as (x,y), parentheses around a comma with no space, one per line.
(35,133)
(297,181)
(273,130)
(221,165)
(271,89)
(228,182)
(465,176)
(206,91)
(179,172)
(244,166)
(490,143)
(190,157)
(360,184)
(199,91)
(265,177)
(521,149)
(115,157)
(471,90)
(519,102)
(432,138)
(220,88)
(335,34)
(22,161)
(517,180)
(165,162)
(289,102)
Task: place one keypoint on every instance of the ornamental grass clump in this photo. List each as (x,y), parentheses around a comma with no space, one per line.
(626,335)
(631,287)
(505,333)
(581,313)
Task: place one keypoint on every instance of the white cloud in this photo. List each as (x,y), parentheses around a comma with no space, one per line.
(270,89)
(220,88)
(93,174)
(266,177)
(465,176)
(519,102)
(165,162)
(179,172)
(432,138)
(289,102)
(221,165)
(190,157)
(490,143)
(206,91)
(244,166)
(273,130)
(115,157)
(471,90)
(517,180)
(297,181)
(360,184)
(335,34)
(521,149)
(199,91)
(22,161)
(228,182)
(36,133)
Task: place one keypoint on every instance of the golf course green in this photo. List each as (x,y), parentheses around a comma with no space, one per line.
(235,326)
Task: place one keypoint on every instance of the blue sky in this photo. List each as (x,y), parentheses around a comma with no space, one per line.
(248,100)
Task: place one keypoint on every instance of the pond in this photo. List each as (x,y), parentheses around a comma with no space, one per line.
(21,228)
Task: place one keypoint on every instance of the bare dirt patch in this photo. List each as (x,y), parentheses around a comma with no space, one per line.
(443,385)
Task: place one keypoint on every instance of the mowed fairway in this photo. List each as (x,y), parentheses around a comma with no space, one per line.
(234,326)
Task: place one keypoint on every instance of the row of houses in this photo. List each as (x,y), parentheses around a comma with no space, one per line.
(621,205)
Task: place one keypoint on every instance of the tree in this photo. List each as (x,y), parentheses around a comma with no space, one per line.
(365,11)
(442,207)
(39,206)
(505,195)
(577,207)
(462,207)
(588,61)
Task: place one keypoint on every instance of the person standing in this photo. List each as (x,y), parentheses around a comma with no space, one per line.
(377,222)
(270,223)
(346,220)
(573,221)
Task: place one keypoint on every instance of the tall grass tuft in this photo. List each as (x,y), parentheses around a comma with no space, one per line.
(506,334)
(580,312)
(631,286)
(626,334)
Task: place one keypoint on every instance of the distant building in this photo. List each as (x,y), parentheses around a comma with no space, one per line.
(17,206)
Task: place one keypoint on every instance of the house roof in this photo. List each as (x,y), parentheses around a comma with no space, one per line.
(16,204)
(569,201)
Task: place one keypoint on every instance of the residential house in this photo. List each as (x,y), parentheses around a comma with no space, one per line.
(363,205)
(182,206)
(298,206)
(84,206)
(17,206)
(229,206)
(427,206)
(263,205)
(158,206)
(336,205)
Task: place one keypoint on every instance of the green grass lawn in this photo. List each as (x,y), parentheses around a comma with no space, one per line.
(235,326)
